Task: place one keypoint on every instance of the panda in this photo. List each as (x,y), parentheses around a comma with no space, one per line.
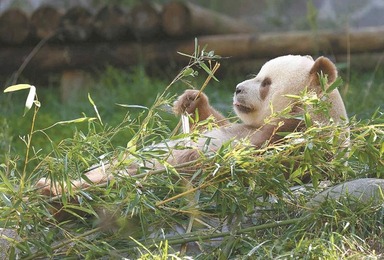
(255,101)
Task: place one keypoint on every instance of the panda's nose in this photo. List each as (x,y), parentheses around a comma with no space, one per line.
(239,89)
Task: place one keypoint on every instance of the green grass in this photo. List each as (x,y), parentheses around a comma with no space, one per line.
(235,181)
(365,93)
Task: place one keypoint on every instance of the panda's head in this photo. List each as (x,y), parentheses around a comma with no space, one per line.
(284,75)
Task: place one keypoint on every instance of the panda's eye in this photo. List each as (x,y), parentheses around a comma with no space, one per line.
(266,82)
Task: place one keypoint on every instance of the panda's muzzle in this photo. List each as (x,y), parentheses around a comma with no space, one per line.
(243,109)
(238,100)
(240,107)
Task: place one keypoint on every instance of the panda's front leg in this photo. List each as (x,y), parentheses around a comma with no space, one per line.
(98,175)
(196,105)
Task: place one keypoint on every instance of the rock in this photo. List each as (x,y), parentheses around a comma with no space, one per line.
(6,237)
(366,190)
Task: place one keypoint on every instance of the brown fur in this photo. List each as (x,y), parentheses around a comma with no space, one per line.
(194,102)
(325,66)
(264,90)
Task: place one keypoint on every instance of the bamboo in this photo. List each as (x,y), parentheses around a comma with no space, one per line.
(198,236)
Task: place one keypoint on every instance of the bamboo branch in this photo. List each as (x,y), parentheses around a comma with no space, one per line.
(203,236)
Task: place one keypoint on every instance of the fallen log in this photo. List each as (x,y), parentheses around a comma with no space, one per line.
(146,20)
(187,19)
(77,24)
(237,47)
(15,26)
(46,21)
(111,23)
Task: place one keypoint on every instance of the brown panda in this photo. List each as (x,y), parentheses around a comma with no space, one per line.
(253,101)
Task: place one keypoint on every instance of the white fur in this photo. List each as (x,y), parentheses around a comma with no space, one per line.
(289,75)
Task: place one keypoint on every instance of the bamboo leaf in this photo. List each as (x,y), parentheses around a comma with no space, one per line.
(307,119)
(323,80)
(74,121)
(292,96)
(5,180)
(31,95)
(196,53)
(74,209)
(188,72)
(6,200)
(30,99)
(337,83)
(132,106)
(78,120)
(186,55)
(185,124)
(207,70)
(95,108)
(17,88)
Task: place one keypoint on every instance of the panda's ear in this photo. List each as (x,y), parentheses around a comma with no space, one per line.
(325,66)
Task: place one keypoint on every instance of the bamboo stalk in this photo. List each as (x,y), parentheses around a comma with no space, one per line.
(192,190)
(64,243)
(210,76)
(199,236)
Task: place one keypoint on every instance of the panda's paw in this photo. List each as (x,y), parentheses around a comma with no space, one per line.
(189,101)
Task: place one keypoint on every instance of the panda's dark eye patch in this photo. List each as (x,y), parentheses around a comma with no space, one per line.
(264,89)
(266,82)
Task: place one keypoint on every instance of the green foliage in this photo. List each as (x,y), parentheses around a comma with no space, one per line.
(239,195)
(365,94)
(312,16)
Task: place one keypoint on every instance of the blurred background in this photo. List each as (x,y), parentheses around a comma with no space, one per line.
(266,15)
